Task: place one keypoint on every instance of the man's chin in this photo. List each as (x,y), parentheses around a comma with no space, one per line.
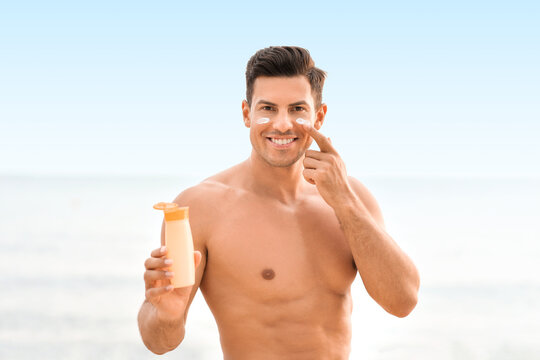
(278,160)
(283,163)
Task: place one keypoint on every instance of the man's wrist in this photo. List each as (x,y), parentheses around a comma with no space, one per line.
(349,205)
(167,328)
(169,322)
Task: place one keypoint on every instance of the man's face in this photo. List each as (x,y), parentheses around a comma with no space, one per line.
(281,141)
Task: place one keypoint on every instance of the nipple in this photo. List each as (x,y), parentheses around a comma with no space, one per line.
(262,120)
(268,274)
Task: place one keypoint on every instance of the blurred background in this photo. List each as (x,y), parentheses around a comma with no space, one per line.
(109,107)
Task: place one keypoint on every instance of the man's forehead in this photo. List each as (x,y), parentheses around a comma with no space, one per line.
(279,90)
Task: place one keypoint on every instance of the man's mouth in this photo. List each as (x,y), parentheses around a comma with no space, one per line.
(282,141)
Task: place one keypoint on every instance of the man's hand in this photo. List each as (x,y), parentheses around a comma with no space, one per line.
(170,304)
(326,170)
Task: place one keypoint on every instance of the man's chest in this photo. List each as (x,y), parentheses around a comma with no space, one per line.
(279,253)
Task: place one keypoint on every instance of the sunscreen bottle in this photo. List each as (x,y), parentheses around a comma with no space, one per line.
(179,242)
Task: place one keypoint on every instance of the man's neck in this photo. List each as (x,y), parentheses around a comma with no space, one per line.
(285,184)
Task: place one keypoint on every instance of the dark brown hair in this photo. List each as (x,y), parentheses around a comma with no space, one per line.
(285,61)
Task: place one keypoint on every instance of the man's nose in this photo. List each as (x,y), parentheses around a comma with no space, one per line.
(283,122)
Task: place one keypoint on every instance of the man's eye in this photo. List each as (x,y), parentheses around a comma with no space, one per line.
(268,108)
(298,108)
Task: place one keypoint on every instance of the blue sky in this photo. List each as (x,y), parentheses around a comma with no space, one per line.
(154,88)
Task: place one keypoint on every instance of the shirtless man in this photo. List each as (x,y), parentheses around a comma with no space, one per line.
(280,237)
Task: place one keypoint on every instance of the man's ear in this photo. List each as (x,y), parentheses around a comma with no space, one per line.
(319,116)
(246,114)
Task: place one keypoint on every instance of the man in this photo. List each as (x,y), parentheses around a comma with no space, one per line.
(280,237)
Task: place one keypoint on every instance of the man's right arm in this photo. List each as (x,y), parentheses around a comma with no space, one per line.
(163,314)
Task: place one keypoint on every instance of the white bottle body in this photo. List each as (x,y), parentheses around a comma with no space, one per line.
(179,242)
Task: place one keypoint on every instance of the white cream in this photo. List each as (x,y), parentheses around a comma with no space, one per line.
(262,121)
(301,121)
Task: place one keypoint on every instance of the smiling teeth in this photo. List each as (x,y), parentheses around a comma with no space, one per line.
(282,141)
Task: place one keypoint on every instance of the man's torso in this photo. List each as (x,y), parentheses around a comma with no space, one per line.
(277,276)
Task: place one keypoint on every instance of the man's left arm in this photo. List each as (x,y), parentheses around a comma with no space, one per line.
(388,274)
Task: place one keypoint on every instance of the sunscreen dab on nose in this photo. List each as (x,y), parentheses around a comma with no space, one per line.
(179,241)
(262,121)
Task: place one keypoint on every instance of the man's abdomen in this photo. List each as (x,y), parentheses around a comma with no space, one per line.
(316,326)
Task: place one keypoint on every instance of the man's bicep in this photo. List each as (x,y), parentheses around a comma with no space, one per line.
(368,200)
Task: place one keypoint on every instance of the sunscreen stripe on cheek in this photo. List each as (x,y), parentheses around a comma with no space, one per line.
(262,120)
(303,122)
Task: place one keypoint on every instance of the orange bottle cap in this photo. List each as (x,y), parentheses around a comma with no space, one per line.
(173,211)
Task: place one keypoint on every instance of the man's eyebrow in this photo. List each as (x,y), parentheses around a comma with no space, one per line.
(303,102)
(265,102)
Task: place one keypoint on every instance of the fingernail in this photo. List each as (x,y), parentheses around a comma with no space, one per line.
(163,249)
(169,274)
(168,261)
(169,287)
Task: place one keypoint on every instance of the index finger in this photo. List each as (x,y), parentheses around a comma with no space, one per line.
(159,252)
(320,139)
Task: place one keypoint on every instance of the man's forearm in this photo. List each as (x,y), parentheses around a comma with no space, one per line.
(389,275)
(159,336)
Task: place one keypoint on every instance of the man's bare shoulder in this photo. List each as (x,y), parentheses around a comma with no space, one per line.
(207,202)
(211,191)
(368,199)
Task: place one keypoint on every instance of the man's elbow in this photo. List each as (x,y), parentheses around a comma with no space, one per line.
(406,309)
(408,300)
(159,350)
(405,306)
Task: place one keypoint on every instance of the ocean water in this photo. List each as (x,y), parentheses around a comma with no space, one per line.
(72,254)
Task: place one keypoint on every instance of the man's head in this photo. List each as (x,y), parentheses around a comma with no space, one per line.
(284,61)
(283,85)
